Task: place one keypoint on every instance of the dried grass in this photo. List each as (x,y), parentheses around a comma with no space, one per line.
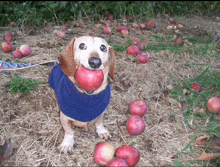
(32,123)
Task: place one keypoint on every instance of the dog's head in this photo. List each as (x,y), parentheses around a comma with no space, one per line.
(93,53)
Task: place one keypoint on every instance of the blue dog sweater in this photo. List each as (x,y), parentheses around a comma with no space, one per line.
(75,104)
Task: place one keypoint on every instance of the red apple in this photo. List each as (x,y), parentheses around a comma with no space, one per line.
(117,162)
(134,41)
(214,105)
(8,38)
(80,21)
(90,34)
(135,125)
(12,24)
(143,57)
(129,153)
(106,18)
(25,50)
(171,20)
(120,28)
(132,50)
(151,24)
(108,24)
(89,80)
(125,32)
(138,107)
(97,25)
(111,17)
(8,34)
(107,30)
(143,43)
(135,25)
(179,42)
(6,47)
(127,28)
(64,27)
(17,55)
(61,34)
(104,152)
(196,87)
(143,26)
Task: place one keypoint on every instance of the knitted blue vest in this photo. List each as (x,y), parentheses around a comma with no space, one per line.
(75,104)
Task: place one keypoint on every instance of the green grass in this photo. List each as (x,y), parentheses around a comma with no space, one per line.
(205,123)
(120,47)
(22,85)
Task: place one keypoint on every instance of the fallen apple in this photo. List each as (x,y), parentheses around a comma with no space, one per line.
(64,27)
(151,24)
(8,34)
(25,50)
(196,87)
(214,105)
(135,125)
(97,25)
(135,25)
(61,34)
(6,47)
(129,153)
(111,18)
(17,55)
(143,57)
(117,162)
(80,21)
(125,32)
(179,42)
(89,80)
(134,41)
(107,30)
(143,26)
(120,28)
(12,24)
(138,107)
(8,38)
(104,152)
(132,50)
(144,43)
(171,20)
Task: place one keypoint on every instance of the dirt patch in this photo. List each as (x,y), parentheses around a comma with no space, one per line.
(32,123)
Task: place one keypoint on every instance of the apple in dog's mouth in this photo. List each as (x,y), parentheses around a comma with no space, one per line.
(89,80)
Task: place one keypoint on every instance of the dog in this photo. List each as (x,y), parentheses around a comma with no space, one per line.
(79,107)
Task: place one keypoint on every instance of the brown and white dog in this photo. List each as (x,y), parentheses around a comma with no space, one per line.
(93,53)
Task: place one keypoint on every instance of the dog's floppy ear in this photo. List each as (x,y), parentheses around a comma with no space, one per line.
(112,65)
(66,58)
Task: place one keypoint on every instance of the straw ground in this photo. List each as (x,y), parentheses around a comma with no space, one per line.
(33,124)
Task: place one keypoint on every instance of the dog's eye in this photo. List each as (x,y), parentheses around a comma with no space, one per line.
(82,46)
(103,48)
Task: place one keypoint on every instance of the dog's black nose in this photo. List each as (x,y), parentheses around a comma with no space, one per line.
(95,62)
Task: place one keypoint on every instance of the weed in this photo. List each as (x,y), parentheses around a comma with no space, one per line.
(22,85)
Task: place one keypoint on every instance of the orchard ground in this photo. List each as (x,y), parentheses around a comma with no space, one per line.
(33,124)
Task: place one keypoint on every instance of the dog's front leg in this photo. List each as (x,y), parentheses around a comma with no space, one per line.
(68,140)
(100,129)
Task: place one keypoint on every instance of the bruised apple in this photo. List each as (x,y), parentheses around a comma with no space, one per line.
(134,41)
(6,47)
(151,24)
(214,105)
(143,57)
(143,26)
(138,107)
(120,28)
(133,50)
(129,153)
(104,152)
(117,162)
(89,80)
(135,125)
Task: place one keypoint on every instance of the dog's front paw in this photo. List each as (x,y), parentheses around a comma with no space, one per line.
(67,144)
(103,132)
